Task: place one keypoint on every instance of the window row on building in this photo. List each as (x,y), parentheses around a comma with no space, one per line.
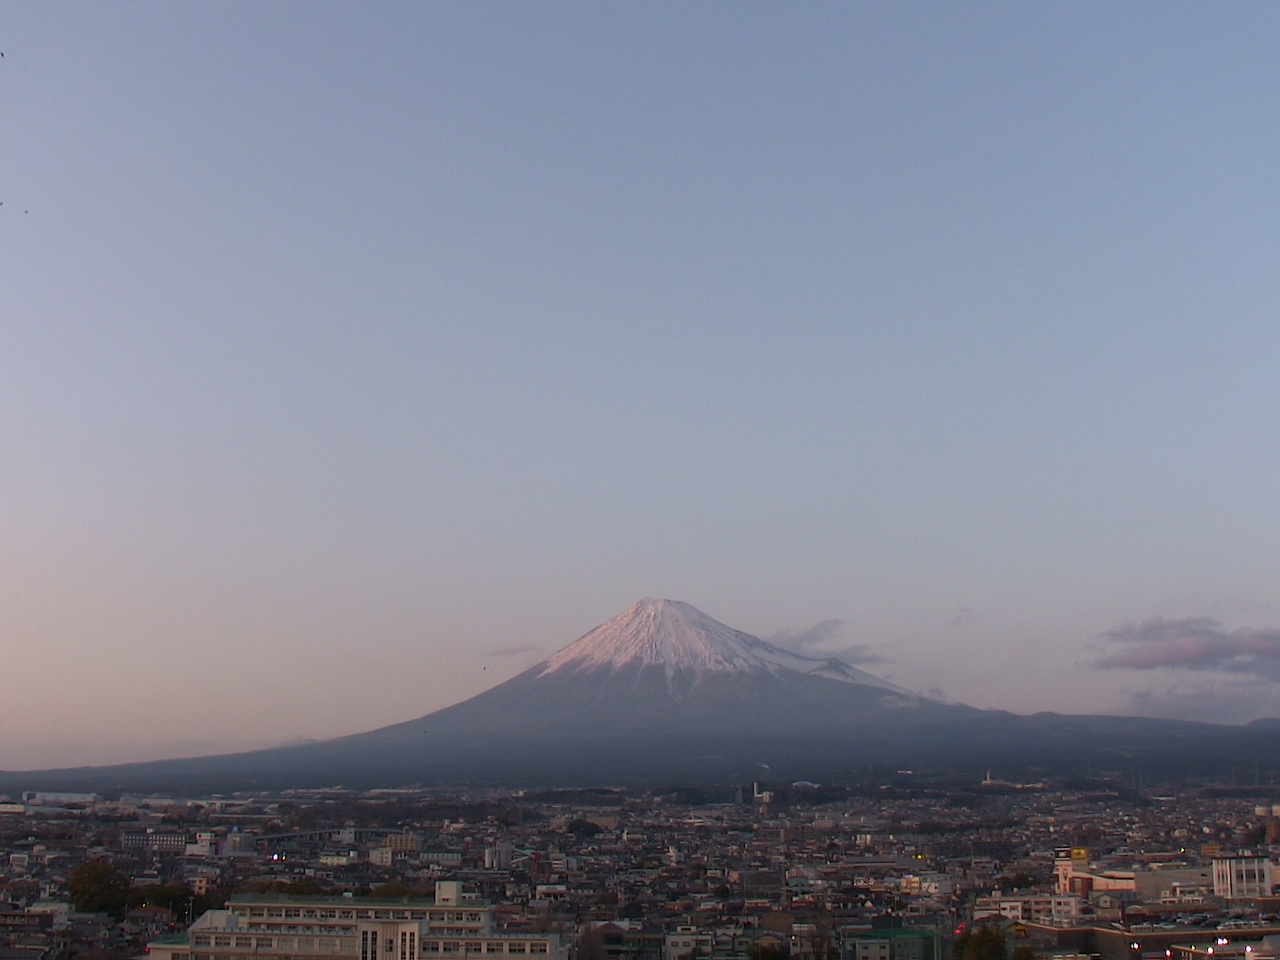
(310,944)
(321,913)
(484,946)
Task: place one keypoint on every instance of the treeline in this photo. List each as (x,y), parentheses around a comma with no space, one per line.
(98,886)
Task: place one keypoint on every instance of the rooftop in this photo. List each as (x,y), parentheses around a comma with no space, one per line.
(890,932)
(341,901)
(170,940)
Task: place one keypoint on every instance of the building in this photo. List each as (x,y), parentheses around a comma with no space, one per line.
(1270,817)
(687,942)
(1057,908)
(498,856)
(453,925)
(403,842)
(443,858)
(46,799)
(892,944)
(1245,876)
(154,841)
(1168,882)
(1264,949)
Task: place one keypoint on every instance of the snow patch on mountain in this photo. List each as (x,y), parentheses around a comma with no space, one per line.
(680,638)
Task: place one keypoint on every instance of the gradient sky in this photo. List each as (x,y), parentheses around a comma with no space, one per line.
(354,356)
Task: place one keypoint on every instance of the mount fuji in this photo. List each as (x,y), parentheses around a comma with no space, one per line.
(665,693)
(687,647)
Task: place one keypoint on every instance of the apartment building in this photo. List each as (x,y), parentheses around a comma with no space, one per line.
(892,944)
(154,841)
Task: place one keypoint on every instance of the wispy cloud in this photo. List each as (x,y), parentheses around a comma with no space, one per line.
(859,653)
(517,650)
(821,634)
(937,693)
(826,639)
(1192,643)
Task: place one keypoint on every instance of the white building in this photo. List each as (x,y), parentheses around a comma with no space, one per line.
(453,926)
(687,942)
(1057,908)
(1242,877)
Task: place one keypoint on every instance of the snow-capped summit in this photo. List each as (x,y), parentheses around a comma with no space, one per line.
(654,632)
(678,638)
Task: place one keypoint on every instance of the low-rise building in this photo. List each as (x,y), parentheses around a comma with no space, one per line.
(892,944)
(452,925)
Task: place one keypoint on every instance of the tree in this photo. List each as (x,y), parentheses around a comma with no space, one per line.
(823,938)
(304,886)
(1016,881)
(215,899)
(985,943)
(99,887)
(172,896)
(392,889)
(591,944)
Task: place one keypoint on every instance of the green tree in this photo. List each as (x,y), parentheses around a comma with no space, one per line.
(98,887)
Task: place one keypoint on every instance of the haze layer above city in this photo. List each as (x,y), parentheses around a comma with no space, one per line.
(358,358)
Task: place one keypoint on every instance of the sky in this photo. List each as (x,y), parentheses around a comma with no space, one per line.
(355,356)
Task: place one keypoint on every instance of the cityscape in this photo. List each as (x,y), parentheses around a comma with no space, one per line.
(901,866)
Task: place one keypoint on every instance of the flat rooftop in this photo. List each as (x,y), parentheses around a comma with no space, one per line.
(320,900)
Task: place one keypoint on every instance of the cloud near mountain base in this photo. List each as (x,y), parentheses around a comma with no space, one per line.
(825,639)
(1192,643)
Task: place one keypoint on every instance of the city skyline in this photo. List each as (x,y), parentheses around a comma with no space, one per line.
(359,358)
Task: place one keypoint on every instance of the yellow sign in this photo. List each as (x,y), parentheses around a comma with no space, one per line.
(1079,853)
